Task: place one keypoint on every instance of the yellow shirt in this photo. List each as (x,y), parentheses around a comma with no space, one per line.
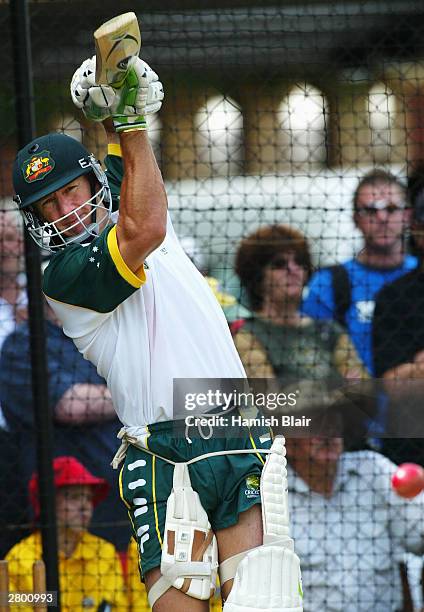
(91,575)
(137,594)
(137,591)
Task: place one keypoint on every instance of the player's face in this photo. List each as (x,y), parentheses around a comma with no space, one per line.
(74,507)
(381,216)
(59,206)
(284,278)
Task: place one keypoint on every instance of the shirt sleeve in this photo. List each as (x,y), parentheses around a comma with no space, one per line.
(94,277)
(112,586)
(20,559)
(15,382)
(66,368)
(318,301)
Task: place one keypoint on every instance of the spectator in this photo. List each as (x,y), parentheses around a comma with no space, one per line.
(398,343)
(349,526)
(137,595)
(346,293)
(13,299)
(12,309)
(90,571)
(274,264)
(85,422)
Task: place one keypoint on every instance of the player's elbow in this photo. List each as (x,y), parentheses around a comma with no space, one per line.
(155,239)
(148,234)
(158,233)
(135,244)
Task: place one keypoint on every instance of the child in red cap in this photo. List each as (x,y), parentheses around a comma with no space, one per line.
(90,572)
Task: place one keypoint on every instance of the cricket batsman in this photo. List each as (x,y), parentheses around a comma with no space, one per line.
(139,310)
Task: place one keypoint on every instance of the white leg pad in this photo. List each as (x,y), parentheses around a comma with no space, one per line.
(267,580)
(189,553)
(274,493)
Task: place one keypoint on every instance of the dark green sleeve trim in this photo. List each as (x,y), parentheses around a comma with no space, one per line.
(87,277)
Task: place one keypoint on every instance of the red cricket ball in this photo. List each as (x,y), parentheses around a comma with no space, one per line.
(408,480)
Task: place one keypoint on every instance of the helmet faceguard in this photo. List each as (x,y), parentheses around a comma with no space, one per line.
(56,161)
(48,235)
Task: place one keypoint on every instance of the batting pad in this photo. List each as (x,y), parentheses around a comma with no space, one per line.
(274,493)
(189,554)
(268,579)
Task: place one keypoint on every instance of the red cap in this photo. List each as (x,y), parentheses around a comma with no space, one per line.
(69,471)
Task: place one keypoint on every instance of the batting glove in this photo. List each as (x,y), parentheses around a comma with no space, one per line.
(98,102)
(94,100)
(140,90)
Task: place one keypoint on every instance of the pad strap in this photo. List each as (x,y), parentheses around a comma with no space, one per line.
(157,590)
(185,570)
(228,568)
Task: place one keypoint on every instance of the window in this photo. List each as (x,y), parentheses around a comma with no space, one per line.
(381,109)
(303,122)
(70,126)
(219,136)
(381,105)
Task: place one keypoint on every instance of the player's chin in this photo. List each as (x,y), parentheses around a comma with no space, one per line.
(72,232)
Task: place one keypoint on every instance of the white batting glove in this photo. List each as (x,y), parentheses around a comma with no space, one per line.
(98,102)
(95,101)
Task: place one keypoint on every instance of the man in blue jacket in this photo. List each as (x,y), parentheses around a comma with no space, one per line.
(346,292)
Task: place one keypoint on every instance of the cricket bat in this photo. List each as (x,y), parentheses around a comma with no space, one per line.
(116,42)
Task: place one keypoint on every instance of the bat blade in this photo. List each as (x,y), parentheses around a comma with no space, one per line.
(116,42)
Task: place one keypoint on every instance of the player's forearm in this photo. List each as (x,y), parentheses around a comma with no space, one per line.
(85,403)
(111,135)
(143,204)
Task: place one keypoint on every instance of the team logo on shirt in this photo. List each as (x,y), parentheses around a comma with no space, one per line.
(252,486)
(38,167)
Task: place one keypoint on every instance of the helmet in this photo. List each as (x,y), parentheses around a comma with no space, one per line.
(47,164)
